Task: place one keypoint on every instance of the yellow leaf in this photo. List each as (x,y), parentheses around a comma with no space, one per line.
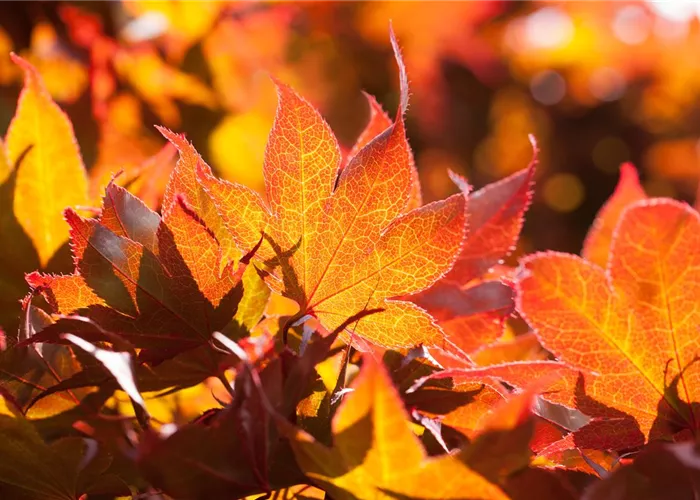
(375,453)
(51,175)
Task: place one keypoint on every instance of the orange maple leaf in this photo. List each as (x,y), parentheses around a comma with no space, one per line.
(340,243)
(632,329)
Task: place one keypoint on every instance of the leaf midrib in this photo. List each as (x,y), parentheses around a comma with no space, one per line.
(351,223)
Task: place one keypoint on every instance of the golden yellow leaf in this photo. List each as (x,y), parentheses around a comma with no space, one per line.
(51,175)
(375,453)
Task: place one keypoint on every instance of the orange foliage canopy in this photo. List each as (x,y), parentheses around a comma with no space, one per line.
(153,297)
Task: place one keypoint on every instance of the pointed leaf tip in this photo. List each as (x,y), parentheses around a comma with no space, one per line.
(596,246)
(535,151)
(403,76)
(496,214)
(176,139)
(533,141)
(71,216)
(30,72)
(460,181)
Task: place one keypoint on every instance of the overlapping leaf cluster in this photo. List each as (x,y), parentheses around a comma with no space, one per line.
(404,369)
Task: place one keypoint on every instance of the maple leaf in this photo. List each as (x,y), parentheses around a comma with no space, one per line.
(631,330)
(476,394)
(496,215)
(343,243)
(481,388)
(471,316)
(375,453)
(43,134)
(157,282)
(183,180)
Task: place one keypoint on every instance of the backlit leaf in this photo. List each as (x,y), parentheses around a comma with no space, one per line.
(523,347)
(471,316)
(461,407)
(338,244)
(378,122)
(184,180)
(596,248)
(470,311)
(633,329)
(495,216)
(43,132)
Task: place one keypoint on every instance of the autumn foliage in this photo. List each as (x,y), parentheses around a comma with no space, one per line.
(335,336)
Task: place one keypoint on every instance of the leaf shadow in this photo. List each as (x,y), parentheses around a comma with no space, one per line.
(441,401)
(282,260)
(155,303)
(167,316)
(98,270)
(609,428)
(217,317)
(192,317)
(676,417)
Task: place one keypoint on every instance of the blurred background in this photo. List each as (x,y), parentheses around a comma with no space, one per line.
(597,83)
